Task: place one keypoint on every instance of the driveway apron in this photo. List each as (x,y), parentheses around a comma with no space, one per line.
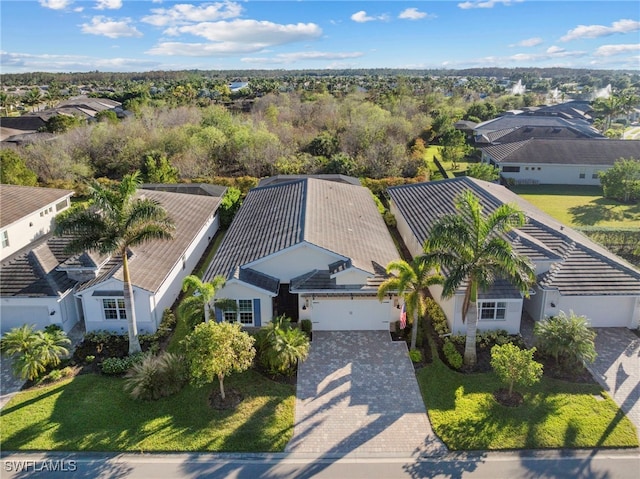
(357,394)
(617,369)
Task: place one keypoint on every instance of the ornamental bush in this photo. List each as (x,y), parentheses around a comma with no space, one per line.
(156,377)
(454,358)
(568,339)
(114,366)
(515,366)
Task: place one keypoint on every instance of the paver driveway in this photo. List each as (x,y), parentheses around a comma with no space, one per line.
(357,394)
(617,369)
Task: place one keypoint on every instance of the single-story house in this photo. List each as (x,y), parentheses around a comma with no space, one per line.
(558,161)
(511,135)
(44,285)
(573,272)
(27,213)
(310,249)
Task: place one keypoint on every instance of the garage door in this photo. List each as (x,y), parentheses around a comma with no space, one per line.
(348,314)
(16,316)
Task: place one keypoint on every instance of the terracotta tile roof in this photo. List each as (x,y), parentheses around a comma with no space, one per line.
(339,217)
(582,267)
(579,151)
(16,202)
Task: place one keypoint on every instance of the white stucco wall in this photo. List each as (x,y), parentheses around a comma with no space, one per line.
(235,289)
(352,276)
(30,228)
(295,261)
(555,174)
(16,311)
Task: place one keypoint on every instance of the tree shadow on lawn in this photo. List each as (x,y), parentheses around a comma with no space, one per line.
(603,209)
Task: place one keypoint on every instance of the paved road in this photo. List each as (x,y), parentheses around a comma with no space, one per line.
(510,465)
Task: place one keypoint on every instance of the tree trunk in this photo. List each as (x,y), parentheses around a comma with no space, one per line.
(221,381)
(134,343)
(206,311)
(470,342)
(414,331)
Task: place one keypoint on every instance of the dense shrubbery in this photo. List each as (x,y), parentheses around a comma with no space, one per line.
(438,319)
(115,366)
(453,356)
(280,347)
(566,338)
(156,376)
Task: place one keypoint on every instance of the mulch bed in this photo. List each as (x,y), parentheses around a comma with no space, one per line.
(231,400)
(510,400)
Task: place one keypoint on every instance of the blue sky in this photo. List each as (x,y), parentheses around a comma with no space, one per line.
(123,35)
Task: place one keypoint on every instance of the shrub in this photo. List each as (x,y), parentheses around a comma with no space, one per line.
(438,319)
(90,358)
(114,366)
(156,376)
(454,358)
(58,374)
(515,366)
(568,339)
(279,347)
(306,325)
(390,219)
(415,355)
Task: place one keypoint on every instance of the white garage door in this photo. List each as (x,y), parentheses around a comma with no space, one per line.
(16,316)
(348,314)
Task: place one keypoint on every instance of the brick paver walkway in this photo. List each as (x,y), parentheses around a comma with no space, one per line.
(617,369)
(357,394)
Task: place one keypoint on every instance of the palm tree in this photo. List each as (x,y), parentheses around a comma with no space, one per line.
(33,351)
(282,347)
(411,281)
(473,252)
(114,222)
(192,308)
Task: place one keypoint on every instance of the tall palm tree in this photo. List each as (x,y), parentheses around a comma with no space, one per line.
(114,222)
(473,251)
(203,293)
(411,281)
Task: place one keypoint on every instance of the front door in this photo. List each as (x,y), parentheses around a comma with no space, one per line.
(286,303)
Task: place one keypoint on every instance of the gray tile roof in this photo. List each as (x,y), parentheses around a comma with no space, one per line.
(16,202)
(583,267)
(34,272)
(338,217)
(564,151)
(321,280)
(152,262)
(258,279)
(279,179)
(205,189)
(517,121)
(511,135)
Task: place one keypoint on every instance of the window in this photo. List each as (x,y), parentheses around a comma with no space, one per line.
(595,175)
(582,174)
(62,205)
(243,314)
(5,238)
(114,309)
(493,311)
(511,169)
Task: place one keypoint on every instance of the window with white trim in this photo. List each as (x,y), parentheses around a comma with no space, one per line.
(243,313)
(114,309)
(5,238)
(493,311)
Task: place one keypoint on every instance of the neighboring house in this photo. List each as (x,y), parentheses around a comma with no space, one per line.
(511,135)
(310,249)
(573,273)
(558,161)
(27,213)
(44,285)
(483,131)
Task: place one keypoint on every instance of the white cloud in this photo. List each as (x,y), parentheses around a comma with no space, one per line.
(250,31)
(183,13)
(56,4)
(413,14)
(528,42)
(25,62)
(108,4)
(288,58)
(111,28)
(611,50)
(555,49)
(485,4)
(362,17)
(596,31)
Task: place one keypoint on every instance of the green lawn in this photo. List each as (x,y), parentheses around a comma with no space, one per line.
(580,205)
(92,413)
(555,414)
